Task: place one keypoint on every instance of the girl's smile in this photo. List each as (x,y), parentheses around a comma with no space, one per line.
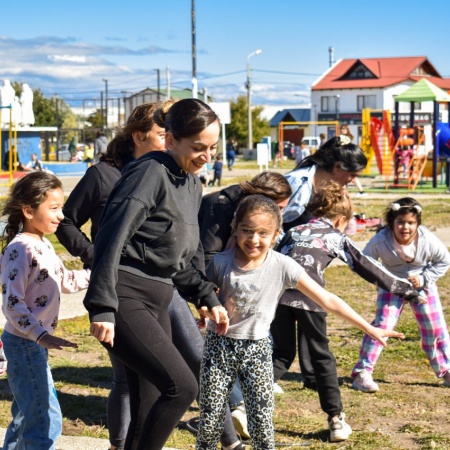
(405,228)
(255,235)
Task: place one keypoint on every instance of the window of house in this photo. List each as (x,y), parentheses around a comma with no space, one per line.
(324,104)
(358,72)
(366,101)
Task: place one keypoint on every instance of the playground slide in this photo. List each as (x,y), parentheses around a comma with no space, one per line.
(375,127)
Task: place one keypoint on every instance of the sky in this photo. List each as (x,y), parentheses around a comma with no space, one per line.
(70,48)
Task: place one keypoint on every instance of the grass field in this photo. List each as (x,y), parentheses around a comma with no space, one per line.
(409,412)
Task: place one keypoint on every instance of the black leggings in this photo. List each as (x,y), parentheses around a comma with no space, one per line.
(313,325)
(143,342)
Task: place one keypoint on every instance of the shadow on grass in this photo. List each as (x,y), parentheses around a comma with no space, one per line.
(89,409)
(94,377)
(83,405)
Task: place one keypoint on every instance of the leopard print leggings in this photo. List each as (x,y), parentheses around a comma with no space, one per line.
(224,359)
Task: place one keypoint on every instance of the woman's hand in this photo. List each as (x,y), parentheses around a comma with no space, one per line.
(381,335)
(52,342)
(219,315)
(103,331)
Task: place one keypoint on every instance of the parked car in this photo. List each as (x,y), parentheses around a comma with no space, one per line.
(312,142)
(64,153)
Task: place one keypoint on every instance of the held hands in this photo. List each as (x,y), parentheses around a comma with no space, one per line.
(381,335)
(103,331)
(219,315)
(52,342)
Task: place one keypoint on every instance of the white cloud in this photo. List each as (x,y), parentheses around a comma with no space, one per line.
(68,58)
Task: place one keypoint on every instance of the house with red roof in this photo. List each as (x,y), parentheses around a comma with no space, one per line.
(351,85)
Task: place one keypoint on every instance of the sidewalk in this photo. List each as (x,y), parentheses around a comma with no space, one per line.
(77,443)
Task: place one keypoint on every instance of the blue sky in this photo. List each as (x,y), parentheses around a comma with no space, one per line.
(70,47)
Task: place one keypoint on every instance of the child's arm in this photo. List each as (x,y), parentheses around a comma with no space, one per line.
(53,342)
(373,272)
(439,260)
(74,280)
(337,306)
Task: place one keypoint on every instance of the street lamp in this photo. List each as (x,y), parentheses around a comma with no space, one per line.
(336,106)
(249,106)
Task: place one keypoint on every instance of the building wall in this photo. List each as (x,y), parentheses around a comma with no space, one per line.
(347,107)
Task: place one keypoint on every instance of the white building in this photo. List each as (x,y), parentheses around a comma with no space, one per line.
(350,85)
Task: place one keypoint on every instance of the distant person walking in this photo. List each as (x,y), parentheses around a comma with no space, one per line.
(217,168)
(230,153)
(100,144)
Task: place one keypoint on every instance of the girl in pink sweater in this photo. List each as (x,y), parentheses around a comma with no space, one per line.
(32,278)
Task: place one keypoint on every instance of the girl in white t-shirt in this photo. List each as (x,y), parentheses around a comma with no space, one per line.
(251,278)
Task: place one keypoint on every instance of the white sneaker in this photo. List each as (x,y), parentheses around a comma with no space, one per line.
(277,389)
(364,382)
(239,416)
(447,379)
(340,430)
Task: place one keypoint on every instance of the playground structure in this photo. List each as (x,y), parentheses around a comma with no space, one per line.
(281,126)
(6,177)
(403,159)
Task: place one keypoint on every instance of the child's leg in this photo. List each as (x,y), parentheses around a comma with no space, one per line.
(389,308)
(217,376)
(256,378)
(189,341)
(314,327)
(434,332)
(37,418)
(284,344)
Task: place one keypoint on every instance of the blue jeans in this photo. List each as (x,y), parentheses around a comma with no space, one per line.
(37,418)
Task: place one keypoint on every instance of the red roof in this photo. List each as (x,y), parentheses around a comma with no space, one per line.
(386,72)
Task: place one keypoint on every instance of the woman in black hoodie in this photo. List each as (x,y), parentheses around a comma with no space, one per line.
(147,237)
(143,132)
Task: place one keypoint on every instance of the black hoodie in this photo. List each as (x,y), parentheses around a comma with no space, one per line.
(149,227)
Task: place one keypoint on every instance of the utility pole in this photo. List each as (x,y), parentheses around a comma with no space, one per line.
(158,84)
(57,123)
(102,111)
(168,82)
(194,54)
(106,104)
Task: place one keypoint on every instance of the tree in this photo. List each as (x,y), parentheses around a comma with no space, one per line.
(238,128)
(44,110)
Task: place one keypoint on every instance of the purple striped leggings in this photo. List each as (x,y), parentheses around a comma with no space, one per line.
(432,327)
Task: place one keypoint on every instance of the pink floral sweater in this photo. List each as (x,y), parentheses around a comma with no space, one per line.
(32,278)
